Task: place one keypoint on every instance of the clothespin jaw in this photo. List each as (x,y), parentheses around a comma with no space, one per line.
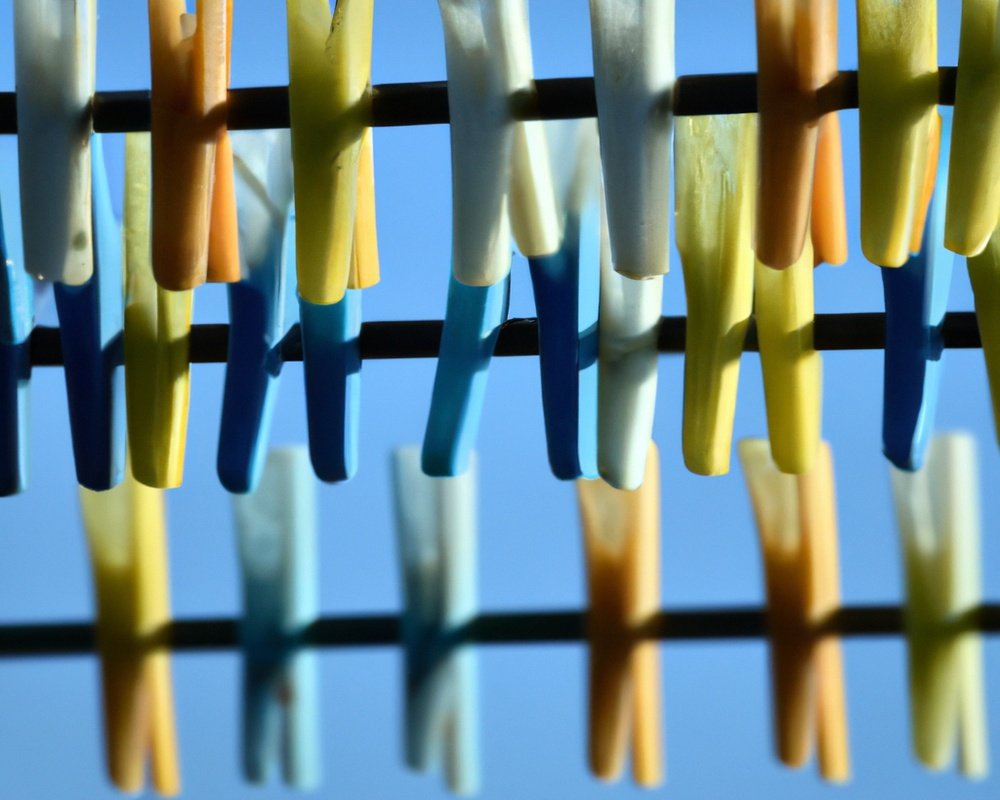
(157,331)
(364,254)
(127,539)
(622,539)
(797,524)
(436,529)
(276,537)
(715,182)
(937,509)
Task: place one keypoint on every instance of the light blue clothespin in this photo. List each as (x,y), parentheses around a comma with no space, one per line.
(916,298)
(91,316)
(436,528)
(276,532)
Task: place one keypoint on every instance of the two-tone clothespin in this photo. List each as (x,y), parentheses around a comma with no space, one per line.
(128,551)
(276,537)
(633,46)
(622,541)
(937,509)
(436,529)
(157,332)
(797,523)
(715,181)
(916,299)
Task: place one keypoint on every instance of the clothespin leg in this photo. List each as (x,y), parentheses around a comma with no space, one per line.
(984,274)
(15,375)
(302,757)
(261,718)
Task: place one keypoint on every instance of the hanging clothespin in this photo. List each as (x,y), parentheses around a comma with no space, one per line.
(157,332)
(715,181)
(633,46)
(436,529)
(796,520)
(193,196)
(897,95)
(937,509)
(622,539)
(276,534)
(916,299)
(128,551)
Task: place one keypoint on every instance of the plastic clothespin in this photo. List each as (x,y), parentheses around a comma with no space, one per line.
(276,534)
(715,181)
(192,185)
(55,50)
(259,316)
(796,520)
(938,513)
(436,528)
(633,45)
(90,329)
(984,274)
(128,551)
(897,94)
(157,332)
(329,98)
(916,299)
(622,539)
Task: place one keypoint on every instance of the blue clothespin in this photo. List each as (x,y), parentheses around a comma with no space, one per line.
(90,328)
(276,533)
(916,298)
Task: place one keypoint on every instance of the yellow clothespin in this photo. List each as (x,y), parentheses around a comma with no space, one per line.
(157,329)
(364,254)
(797,524)
(984,274)
(128,551)
(622,539)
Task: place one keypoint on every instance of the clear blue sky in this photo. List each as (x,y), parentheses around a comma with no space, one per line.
(716,696)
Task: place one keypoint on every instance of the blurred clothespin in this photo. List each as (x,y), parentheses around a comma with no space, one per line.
(715,181)
(276,534)
(937,509)
(796,520)
(436,528)
(157,333)
(128,551)
(194,228)
(622,539)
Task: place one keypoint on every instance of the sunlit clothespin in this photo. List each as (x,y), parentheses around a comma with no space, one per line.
(622,540)
(436,529)
(916,299)
(897,94)
(193,200)
(938,513)
(276,534)
(157,330)
(715,182)
(796,520)
(128,551)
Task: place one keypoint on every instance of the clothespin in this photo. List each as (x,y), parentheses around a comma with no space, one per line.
(622,539)
(633,44)
(193,199)
(257,307)
(157,330)
(938,513)
(916,299)
(436,529)
(897,94)
(715,182)
(90,329)
(55,61)
(796,520)
(329,97)
(128,552)
(276,534)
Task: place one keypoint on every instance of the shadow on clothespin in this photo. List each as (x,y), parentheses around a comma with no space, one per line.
(128,550)
(622,541)
(276,534)
(436,529)
(797,523)
(937,510)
